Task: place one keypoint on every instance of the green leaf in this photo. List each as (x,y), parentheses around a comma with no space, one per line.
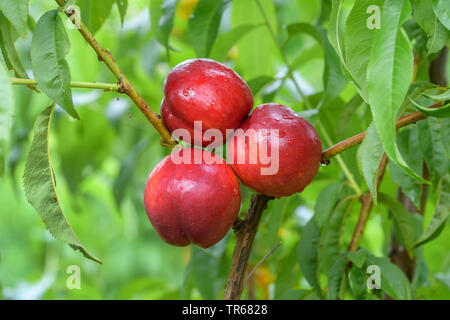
(421,271)
(40,188)
(390,72)
(31,23)
(292,295)
(49,47)
(445,133)
(358,40)
(226,41)
(123,6)
(257,48)
(94,13)
(10,54)
(308,254)
(358,283)
(441,112)
(269,93)
(357,258)
(336,33)
(393,281)
(187,285)
(146,289)
(306,55)
(336,276)
(299,28)
(440,216)
(8,48)
(334,82)
(258,83)
(333,79)
(155,14)
(273,222)
(408,223)
(287,273)
(6,110)
(325,203)
(432,146)
(127,168)
(409,148)
(82,146)
(442,10)
(16,11)
(205,269)
(336,28)
(204,25)
(330,241)
(165,24)
(369,158)
(428,21)
(439,97)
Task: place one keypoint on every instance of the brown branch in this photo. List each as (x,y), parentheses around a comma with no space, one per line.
(366,199)
(366,208)
(125,84)
(357,139)
(245,231)
(425,188)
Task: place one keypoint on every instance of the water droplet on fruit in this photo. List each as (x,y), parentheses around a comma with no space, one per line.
(287,117)
(325,163)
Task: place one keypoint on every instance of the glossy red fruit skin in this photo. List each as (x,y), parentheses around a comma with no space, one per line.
(192,203)
(208,91)
(300,152)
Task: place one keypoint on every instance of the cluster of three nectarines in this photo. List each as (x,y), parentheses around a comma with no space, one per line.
(197,201)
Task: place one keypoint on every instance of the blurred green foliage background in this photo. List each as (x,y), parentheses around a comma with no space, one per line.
(102,162)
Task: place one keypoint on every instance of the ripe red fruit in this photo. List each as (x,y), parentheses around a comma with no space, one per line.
(299,155)
(192,203)
(208,91)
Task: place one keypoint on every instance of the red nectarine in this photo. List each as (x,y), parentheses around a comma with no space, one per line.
(192,203)
(298,151)
(207,91)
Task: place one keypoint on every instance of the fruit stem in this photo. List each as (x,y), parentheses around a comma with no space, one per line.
(74,84)
(125,84)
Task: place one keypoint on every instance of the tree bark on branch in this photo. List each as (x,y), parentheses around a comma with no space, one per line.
(366,208)
(357,139)
(245,231)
